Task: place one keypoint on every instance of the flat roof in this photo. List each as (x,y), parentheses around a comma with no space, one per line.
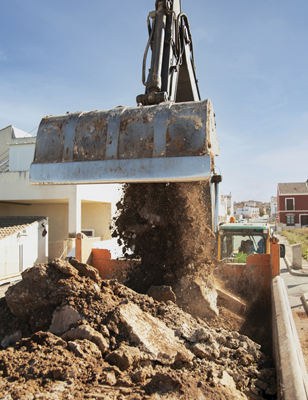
(240,226)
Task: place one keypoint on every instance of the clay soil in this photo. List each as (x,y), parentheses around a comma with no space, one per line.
(168,226)
(38,364)
(67,334)
(301,323)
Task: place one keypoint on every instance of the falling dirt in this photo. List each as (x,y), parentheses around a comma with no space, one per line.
(168,227)
(67,334)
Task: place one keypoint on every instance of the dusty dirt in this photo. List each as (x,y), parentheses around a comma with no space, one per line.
(67,334)
(103,344)
(167,226)
(301,323)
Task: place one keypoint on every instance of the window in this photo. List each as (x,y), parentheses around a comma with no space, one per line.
(230,244)
(289,204)
(290,220)
(304,220)
(88,232)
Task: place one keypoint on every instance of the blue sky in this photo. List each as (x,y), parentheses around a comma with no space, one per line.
(251,58)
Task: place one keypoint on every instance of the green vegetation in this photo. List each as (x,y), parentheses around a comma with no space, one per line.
(299,235)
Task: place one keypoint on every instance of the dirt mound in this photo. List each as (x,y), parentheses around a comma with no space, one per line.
(67,334)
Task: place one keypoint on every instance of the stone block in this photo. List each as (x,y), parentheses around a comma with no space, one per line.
(197,296)
(11,339)
(162,293)
(157,341)
(85,349)
(297,257)
(86,332)
(62,319)
(83,250)
(124,357)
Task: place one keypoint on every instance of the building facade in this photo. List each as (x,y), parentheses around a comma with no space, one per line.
(70,209)
(273,208)
(23,243)
(225,208)
(292,204)
(248,212)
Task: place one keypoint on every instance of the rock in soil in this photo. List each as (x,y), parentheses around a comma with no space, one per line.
(124,345)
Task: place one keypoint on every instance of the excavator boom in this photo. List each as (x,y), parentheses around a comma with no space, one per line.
(169,137)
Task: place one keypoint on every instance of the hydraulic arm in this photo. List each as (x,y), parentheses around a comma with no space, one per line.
(169,137)
(172,76)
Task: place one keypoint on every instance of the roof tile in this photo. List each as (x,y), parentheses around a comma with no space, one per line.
(11,225)
(293,188)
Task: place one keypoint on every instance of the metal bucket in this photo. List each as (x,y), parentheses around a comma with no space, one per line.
(169,142)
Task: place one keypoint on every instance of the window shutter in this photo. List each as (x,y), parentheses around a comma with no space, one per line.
(290,204)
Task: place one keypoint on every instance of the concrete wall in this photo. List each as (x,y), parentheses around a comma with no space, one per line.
(5,138)
(24,249)
(17,187)
(223,210)
(58,221)
(273,207)
(107,193)
(96,216)
(56,213)
(10,135)
(64,205)
(21,156)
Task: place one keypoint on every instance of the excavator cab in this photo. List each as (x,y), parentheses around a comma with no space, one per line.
(237,241)
(169,137)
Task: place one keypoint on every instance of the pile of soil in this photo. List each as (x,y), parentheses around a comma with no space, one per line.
(168,226)
(67,334)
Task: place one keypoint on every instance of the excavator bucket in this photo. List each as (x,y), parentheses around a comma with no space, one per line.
(168,142)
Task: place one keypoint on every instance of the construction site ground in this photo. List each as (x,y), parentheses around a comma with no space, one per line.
(76,336)
(160,332)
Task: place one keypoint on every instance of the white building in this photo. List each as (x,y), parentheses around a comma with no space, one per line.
(70,208)
(228,198)
(248,212)
(23,243)
(273,208)
(250,203)
(225,208)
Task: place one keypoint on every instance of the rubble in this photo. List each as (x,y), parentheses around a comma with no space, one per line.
(157,341)
(117,344)
(162,293)
(62,318)
(87,332)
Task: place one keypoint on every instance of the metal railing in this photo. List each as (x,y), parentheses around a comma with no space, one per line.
(4,161)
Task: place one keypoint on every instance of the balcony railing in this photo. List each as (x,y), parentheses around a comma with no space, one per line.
(4,161)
